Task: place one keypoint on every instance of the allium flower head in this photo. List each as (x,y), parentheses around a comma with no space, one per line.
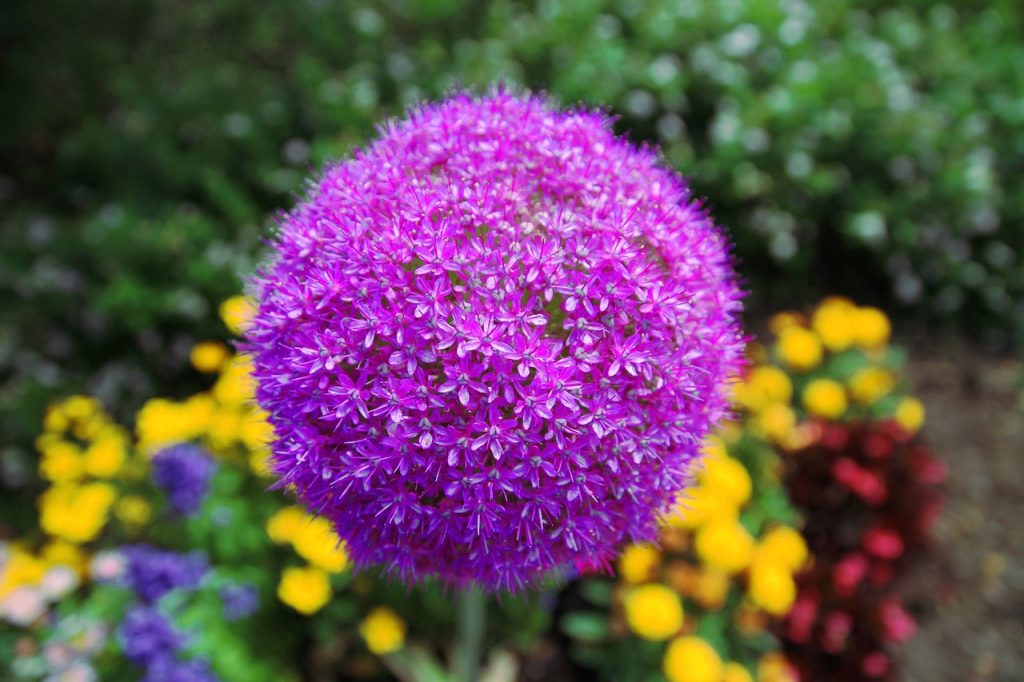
(183,472)
(491,343)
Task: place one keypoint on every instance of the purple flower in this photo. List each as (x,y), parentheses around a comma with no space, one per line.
(146,637)
(183,472)
(172,670)
(492,342)
(151,573)
(239,600)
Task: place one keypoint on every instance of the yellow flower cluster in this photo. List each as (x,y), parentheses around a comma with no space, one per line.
(383,630)
(225,419)
(308,589)
(81,450)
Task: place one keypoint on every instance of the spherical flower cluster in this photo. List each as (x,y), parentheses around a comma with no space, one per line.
(151,573)
(145,636)
(183,472)
(492,342)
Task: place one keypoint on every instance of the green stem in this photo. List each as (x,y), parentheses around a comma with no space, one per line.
(470,621)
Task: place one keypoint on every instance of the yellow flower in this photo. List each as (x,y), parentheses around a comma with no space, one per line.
(162,421)
(799,348)
(871,384)
(76,513)
(711,588)
(134,510)
(871,328)
(785,546)
(237,312)
(316,542)
(776,422)
(653,612)
(691,659)
(638,563)
(306,590)
(61,462)
(208,356)
(383,630)
(784,320)
(81,406)
(764,386)
(726,477)
(259,462)
(734,672)
(910,414)
(235,386)
(105,457)
(825,398)
(772,586)
(21,568)
(773,667)
(284,524)
(698,506)
(224,428)
(834,321)
(63,553)
(55,420)
(256,431)
(725,544)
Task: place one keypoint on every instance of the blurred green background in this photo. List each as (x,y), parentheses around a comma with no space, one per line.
(873,149)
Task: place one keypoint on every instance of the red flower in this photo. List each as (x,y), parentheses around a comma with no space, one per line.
(848,574)
(897,624)
(883,542)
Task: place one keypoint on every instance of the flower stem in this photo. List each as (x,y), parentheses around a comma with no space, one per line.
(470,621)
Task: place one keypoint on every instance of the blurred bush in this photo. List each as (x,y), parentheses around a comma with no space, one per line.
(871,149)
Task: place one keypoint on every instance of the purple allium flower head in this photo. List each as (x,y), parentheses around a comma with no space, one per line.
(492,342)
(151,573)
(183,472)
(147,638)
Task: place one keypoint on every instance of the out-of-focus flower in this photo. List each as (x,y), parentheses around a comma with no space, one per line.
(765,385)
(638,563)
(691,659)
(316,542)
(151,573)
(910,414)
(383,631)
(725,544)
(239,600)
(209,356)
(726,478)
(133,510)
(785,546)
(183,472)
(772,586)
(871,329)
(307,590)
(76,513)
(653,611)
(825,398)
(105,456)
(774,667)
(58,581)
(799,348)
(835,322)
(545,329)
(711,588)
(735,672)
(237,312)
(174,670)
(146,637)
(61,462)
(871,384)
(163,422)
(23,605)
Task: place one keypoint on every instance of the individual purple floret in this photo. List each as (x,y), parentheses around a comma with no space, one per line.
(183,472)
(172,670)
(151,573)
(147,638)
(239,600)
(492,342)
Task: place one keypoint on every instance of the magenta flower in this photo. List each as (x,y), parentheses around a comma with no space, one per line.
(492,342)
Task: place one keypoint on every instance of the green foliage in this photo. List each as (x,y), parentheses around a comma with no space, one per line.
(872,149)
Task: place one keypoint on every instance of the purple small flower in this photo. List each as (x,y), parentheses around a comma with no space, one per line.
(183,472)
(151,573)
(147,638)
(239,600)
(492,342)
(172,670)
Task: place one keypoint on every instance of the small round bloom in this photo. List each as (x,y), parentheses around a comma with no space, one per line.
(491,344)
(785,546)
(638,563)
(772,586)
(834,321)
(146,637)
(23,605)
(183,472)
(825,398)
(208,356)
(653,611)
(799,348)
(735,672)
(133,510)
(727,478)
(383,630)
(725,544)
(151,573)
(307,590)
(871,384)
(871,328)
(691,659)
(910,414)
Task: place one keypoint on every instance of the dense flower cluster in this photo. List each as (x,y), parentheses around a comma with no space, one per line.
(149,641)
(183,472)
(151,573)
(492,342)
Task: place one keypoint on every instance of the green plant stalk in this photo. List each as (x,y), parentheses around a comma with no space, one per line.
(470,622)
